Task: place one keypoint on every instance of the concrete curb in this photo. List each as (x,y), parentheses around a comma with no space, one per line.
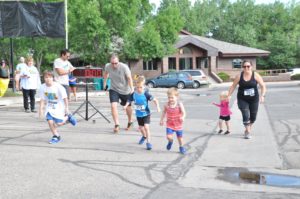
(7,101)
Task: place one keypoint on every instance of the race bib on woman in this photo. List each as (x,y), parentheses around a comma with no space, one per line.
(249,92)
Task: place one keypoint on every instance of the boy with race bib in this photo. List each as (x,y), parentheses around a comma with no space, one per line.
(140,97)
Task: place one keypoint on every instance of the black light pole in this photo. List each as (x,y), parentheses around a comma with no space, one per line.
(12,65)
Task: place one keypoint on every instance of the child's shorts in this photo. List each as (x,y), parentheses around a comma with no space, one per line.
(50,117)
(226,118)
(143,120)
(171,131)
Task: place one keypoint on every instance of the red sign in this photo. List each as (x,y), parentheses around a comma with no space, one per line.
(87,72)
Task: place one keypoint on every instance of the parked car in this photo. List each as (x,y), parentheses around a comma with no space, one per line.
(198,76)
(171,79)
(294,71)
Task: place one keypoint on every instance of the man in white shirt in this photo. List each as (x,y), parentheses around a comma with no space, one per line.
(62,68)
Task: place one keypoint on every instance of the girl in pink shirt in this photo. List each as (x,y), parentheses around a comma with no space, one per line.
(224,112)
(175,114)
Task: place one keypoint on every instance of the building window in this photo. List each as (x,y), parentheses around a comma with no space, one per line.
(201,62)
(185,50)
(237,63)
(150,65)
(185,63)
(172,63)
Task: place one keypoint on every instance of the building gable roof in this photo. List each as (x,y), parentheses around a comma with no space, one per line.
(225,49)
(184,40)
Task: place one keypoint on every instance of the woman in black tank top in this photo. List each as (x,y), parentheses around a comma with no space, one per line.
(248,89)
(248,96)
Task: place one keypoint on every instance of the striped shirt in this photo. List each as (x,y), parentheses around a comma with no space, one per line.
(173,117)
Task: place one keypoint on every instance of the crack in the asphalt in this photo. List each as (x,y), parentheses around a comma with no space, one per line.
(181,168)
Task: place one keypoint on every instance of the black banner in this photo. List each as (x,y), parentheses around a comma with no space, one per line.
(26,19)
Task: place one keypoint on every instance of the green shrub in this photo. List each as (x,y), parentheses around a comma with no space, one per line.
(224,76)
(262,73)
(10,93)
(295,77)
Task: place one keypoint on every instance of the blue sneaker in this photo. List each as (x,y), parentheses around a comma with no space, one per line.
(169,145)
(149,146)
(142,140)
(182,150)
(72,119)
(55,139)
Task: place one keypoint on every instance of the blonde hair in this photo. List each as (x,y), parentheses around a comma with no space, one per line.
(140,80)
(28,59)
(173,92)
(224,95)
(22,60)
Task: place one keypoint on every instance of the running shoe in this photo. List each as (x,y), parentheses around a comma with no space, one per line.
(182,150)
(247,135)
(169,145)
(55,139)
(129,126)
(72,119)
(149,146)
(142,140)
(117,128)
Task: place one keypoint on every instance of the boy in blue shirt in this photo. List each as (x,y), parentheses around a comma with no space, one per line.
(140,97)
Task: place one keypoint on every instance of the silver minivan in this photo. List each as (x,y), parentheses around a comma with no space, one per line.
(294,71)
(198,76)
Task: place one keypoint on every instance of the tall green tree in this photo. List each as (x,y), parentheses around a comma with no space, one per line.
(277,34)
(295,15)
(168,23)
(207,16)
(157,36)
(88,31)
(239,24)
(147,44)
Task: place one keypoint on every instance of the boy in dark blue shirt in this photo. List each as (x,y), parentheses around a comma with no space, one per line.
(140,97)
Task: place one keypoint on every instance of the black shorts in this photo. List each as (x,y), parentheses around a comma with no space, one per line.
(114,96)
(143,120)
(226,118)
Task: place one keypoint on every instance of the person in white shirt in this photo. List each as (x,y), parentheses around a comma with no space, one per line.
(30,82)
(62,68)
(54,97)
(19,67)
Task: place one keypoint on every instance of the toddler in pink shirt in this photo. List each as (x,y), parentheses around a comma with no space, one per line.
(224,112)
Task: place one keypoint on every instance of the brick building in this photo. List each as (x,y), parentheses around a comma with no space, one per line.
(196,52)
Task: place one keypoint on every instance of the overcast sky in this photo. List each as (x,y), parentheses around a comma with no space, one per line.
(156,2)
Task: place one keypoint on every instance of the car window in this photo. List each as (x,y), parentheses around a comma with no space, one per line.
(163,76)
(195,73)
(181,75)
(172,75)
